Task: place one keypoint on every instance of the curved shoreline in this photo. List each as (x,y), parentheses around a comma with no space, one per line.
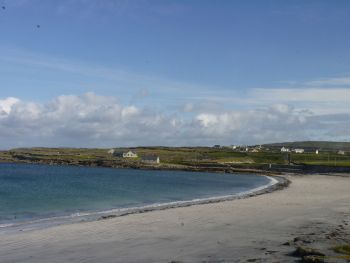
(276,183)
(313,212)
(273,185)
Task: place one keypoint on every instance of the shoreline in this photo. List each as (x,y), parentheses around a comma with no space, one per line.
(272,169)
(268,188)
(205,168)
(312,213)
(275,183)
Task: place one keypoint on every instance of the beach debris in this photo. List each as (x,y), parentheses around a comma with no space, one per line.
(107,217)
(342,249)
(270,252)
(297,239)
(312,259)
(305,239)
(302,251)
(332,235)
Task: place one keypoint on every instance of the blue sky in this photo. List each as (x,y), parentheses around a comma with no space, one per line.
(190,61)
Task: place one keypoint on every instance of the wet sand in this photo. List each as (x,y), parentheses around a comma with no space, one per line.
(255,229)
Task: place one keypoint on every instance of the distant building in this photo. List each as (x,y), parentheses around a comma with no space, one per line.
(299,150)
(111,151)
(118,153)
(316,151)
(341,152)
(285,150)
(216,146)
(234,147)
(151,159)
(256,149)
(130,154)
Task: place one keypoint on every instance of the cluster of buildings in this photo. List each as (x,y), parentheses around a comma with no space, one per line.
(241,148)
(150,159)
(316,151)
(298,150)
(259,148)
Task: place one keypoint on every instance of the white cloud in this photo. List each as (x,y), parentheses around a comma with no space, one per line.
(7,104)
(330,82)
(90,120)
(207,120)
(303,95)
(130,111)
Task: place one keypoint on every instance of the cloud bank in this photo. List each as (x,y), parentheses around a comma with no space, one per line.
(90,120)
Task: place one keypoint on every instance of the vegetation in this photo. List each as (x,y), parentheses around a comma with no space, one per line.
(189,156)
(342,249)
(323,158)
(321,145)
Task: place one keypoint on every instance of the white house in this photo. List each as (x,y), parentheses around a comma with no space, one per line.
(341,152)
(111,151)
(316,151)
(130,154)
(285,150)
(151,159)
(299,150)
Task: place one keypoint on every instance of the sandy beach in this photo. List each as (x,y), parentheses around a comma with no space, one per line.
(314,210)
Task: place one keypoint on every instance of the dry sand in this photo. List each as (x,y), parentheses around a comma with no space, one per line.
(245,230)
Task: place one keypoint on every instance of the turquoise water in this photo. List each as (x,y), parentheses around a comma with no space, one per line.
(29,192)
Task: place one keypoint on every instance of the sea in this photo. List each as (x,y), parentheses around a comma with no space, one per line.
(33,195)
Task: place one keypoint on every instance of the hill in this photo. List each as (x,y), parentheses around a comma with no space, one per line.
(321,145)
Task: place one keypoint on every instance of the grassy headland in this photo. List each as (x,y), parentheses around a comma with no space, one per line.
(191,157)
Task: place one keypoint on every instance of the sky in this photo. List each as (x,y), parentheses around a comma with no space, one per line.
(90,73)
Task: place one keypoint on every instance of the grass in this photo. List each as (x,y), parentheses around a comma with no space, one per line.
(174,155)
(330,159)
(235,160)
(267,157)
(322,145)
(342,249)
(5,156)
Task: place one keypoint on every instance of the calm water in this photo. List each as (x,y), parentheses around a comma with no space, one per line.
(30,192)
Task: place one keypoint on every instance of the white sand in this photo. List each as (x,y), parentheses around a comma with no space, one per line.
(229,231)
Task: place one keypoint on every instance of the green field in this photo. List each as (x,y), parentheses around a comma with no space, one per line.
(330,159)
(184,155)
(321,145)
